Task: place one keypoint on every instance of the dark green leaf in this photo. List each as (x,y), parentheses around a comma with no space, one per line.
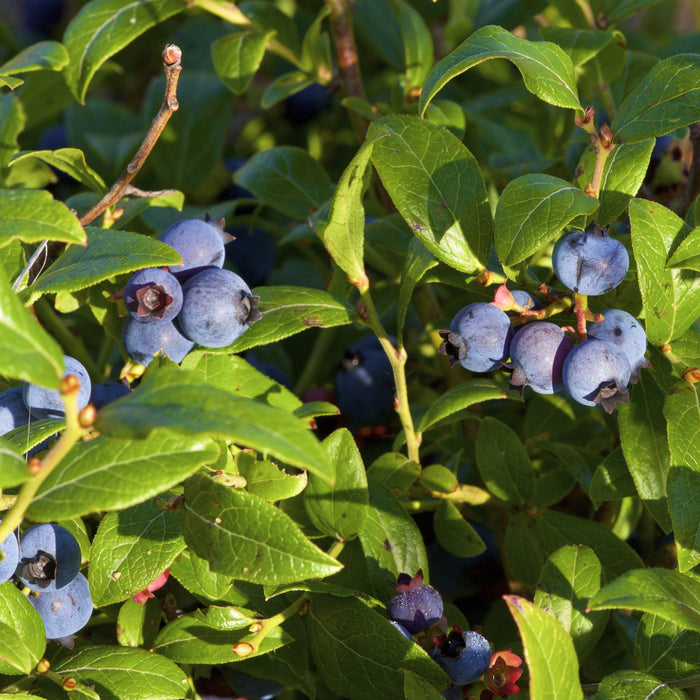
(683,488)
(70,161)
(546,69)
(22,633)
(288,179)
(104,27)
(580,45)
(417,43)
(532,210)
(107,473)
(44,55)
(394,470)
(137,623)
(634,685)
(437,186)
(454,533)
(13,469)
(437,478)
(573,460)
(247,538)
(551,675)
(269,482)
(340,510)
(687,255)
(615,10)
(283,87)
(369,653)
(418,261)
(522,549)
(666,100)
(237,56)
(611,479)
(503,462)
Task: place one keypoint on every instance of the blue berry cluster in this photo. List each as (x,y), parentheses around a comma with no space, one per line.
(194,302)
(594,372)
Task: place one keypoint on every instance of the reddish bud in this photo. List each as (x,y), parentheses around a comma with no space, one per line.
(147,592)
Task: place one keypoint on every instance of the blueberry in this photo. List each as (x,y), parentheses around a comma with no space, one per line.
(537,354)
(47,403)
(596,372)
(252,253)
(66,611)
(478,338)
(143,340)
(364,384)
(416,605)
(106,392)
(590,262)
(526,300)
(464,656)
(217,308)
(200,244)
(624,330)
(307,103)
(152,294)
(13,412)
(49,557)
(251,687)
(40,17)
(10,552)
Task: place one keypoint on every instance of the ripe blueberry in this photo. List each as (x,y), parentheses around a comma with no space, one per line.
(402,629)
(416,605)
(590,262)
(10,552)
(478,338)
(537,354)
(47,403)
(624,330)
(49,557)
(106,392)
(217,308)
(13,412)
(464,656)
(152,294)
(596,372)
(143,340)
(526,300)
(66,611)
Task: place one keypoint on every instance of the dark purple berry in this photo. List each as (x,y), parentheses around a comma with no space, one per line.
(464,656)
(106,392)
(66,611)
(478,338)
(590,262)
(143,340)
(153,294)
(537,354)
(13,412)
(10,557)
(49,557)
(47,403)
(526,300)
(416,605)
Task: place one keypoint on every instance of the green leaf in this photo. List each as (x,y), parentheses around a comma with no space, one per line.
(573,460)
(70,161)
(417,43)
(179,400)
(581,45)
(551,675)
(437,478)
(269,482)
(391,542)
(546,69)
(237,57)
(634,685)
(666,100)
(368,655)
(340,510)
(532,210)
(644,444)
(34,216)
(615,10)
(454,532)
(670,297)
(687,255)
(108,473)
(503,462)
(418,688)
(665,649)
(108,253)
(611,479)
(124,673)
(283,86)
(27,352)
(209,636)
(683,488)
(44,55)
(24,437)
(268,17)
(131,549)
(570,576)
(22,633)
(623,175)
(663,592)
(394,470)
(343,232)
(457,398)
(288,179)
(418,261)
(104,27)
(13,469)
(247,538)
(138,623)
(290,310)
(437,186)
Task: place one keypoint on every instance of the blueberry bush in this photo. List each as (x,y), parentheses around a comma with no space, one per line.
(339,360)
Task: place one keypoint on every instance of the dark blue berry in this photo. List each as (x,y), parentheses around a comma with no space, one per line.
(596,372)
(49,557)
(10,552)
(526,300)
(416,605)
(251,687)
(106,392)
(47,403)
(590,262)
(153,294)
(402,629)
(464,656)
(143,340)
(200,244)
(537,354)
(13,412)
(478,338)
(66,611)
(217,308)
